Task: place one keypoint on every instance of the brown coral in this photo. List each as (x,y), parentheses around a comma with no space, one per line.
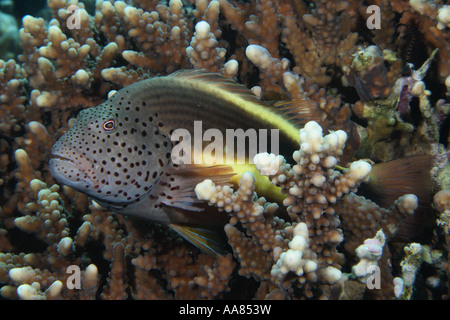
(303,50)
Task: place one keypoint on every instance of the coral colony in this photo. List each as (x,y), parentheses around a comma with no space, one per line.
(352,201)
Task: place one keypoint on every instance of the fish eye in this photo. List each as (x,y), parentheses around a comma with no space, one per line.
(109,125)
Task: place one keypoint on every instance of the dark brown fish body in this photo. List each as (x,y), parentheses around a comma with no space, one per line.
(119,152)
(188,96)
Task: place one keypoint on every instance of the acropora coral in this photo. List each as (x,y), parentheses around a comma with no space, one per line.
(363,95)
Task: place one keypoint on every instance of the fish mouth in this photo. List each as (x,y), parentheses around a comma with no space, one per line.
(64,171)
(69,171)
(56,157)
(61,158)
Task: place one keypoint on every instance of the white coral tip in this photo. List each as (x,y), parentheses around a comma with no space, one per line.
(205,189)
(360,169)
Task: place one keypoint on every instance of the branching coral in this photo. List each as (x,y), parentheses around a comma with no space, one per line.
(302,254)
(360,217)
(203,51)
(311,37)
(299,53)
(307,101)
(312,186)
(8,36)
(11,96)
(442,204)
(47,220)
(51,274)
(385,112)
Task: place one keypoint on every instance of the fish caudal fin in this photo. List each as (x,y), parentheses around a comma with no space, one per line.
(392,179)
(206,240)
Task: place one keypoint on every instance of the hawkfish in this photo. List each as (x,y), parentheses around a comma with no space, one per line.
(120,152)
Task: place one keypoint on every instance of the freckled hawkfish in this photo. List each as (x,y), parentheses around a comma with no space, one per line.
(119,153)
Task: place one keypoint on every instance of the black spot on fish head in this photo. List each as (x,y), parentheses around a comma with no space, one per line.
(112,153)
(78,153)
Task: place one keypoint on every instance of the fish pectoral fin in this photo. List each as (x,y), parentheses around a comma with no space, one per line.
(176,188)
(205,239)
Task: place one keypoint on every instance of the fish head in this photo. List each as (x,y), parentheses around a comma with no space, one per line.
(112,153)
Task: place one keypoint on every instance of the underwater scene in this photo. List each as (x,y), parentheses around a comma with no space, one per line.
(224,149)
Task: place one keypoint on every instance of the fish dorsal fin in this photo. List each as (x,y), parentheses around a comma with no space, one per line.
(219,81)
(300,111)
(288,116)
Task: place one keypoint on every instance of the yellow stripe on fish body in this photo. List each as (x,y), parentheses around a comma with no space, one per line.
(263,186)
(240,97)
(134,173)
(259,111)
(130,169)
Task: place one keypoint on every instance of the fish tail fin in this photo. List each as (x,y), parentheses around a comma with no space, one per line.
(417,227)
(207,240)
(392,179)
